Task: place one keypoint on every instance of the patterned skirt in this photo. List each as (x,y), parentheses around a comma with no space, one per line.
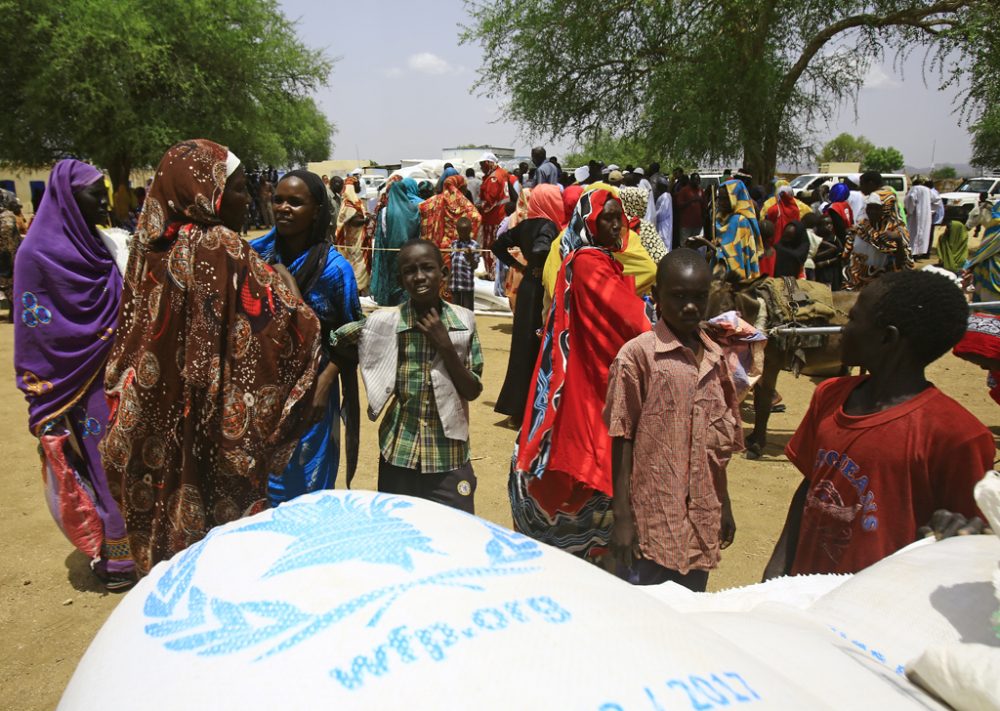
(584,532)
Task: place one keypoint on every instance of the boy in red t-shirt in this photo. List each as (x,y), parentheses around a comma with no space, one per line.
(883,455)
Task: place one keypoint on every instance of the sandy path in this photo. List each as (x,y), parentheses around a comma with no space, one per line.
(51,606)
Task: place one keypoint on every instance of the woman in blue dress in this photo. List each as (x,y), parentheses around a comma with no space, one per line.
(326,281)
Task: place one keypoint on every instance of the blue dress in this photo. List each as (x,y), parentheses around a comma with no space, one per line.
(334,299)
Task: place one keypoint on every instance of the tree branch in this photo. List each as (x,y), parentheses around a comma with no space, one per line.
(912,17)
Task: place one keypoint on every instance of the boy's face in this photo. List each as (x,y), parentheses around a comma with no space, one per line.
(682,298)
(421,273)
(464,230)
(863,340)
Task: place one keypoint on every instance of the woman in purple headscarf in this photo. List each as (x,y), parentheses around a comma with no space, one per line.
(67,291)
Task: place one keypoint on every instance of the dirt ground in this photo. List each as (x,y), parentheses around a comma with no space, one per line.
(51,605)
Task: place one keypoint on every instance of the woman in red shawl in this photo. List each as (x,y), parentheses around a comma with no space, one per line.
(439,216)
(560,483)
(213,364)
(493,196)
(785,210)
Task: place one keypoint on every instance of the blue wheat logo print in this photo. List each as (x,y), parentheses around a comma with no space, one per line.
(329,530)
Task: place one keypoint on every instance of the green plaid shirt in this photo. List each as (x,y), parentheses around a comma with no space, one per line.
(411,434)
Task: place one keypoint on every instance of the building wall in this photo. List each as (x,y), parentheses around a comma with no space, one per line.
(470,156)
(337,167)
(23,177)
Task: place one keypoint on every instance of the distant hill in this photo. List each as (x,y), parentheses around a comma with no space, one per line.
(964,170)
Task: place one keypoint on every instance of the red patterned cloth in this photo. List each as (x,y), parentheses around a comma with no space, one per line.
(439,215)
(981,345)
(493,197)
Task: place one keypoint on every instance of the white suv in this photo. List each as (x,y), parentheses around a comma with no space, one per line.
(959,203)
(813,181)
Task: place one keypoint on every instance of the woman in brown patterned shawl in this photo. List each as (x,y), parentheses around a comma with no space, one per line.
(213,364)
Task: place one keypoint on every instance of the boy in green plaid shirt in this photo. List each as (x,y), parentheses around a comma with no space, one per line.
(426,358)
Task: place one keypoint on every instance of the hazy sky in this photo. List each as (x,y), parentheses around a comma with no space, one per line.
(403,89)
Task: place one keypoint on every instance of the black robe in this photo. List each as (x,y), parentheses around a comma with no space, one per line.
(533,237)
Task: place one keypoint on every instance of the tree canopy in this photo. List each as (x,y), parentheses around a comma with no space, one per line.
(610,149)
(884,160)
(702,80)
(981,37)
(119,81)
(845,148)
(986,141)
(945,172)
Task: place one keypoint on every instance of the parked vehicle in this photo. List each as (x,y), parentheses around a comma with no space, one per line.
(813,181)
(959,203)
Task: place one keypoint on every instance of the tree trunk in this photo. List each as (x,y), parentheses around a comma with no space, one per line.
(754,159)
(769,156)
(119,168)
(760,150)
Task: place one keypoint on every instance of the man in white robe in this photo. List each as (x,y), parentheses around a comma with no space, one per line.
(919,218)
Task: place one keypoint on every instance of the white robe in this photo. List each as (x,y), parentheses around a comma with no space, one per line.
(937,207)
(919,218)
(856,200)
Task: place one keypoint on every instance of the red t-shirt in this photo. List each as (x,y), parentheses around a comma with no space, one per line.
(874,479)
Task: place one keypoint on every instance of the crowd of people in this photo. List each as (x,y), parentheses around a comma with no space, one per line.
(206,378)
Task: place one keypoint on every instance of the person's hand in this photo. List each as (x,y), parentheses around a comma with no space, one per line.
(288,280)
(624,542)
(431,326)
(697,242)
(727,532)
(321,397)
(945,524)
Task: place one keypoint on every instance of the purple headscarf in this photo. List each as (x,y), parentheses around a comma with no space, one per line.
(66,296)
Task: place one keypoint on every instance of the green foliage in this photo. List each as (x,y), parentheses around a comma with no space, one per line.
(945,172)
(977,37)
(845,148)
(986,141)
(119,81)
(611,149)
(884,160)
(704,82)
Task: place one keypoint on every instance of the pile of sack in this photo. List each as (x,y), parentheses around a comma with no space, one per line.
(350,599)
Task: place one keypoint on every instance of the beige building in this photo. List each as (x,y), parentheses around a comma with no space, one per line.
(834,167)
(337,167)
(24,182)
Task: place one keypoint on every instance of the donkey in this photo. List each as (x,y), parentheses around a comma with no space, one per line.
(727,296)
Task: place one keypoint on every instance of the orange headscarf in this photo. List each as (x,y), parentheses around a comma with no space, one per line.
(547,202)
(439,215)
